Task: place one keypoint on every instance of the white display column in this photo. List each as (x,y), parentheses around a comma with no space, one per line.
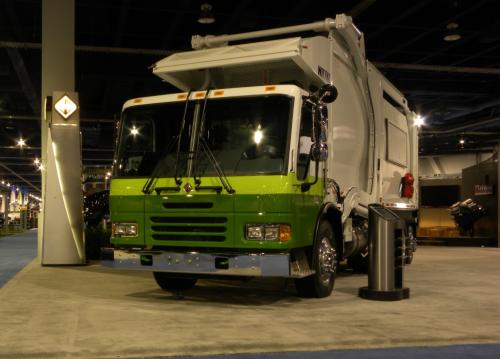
(62,240)
(58,74)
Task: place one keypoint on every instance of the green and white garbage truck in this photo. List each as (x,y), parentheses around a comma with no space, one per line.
(265,164)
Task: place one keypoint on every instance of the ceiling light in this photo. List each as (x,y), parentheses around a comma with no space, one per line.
(134,131)
(258,135)
(419,121)
(21,142)
(206,16)
(452,33)
(36,161)
(462,141)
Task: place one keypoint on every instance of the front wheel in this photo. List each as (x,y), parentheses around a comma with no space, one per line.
(323,260)
(169,282)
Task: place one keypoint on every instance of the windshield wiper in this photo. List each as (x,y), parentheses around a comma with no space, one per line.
(146,189)
(211,157)
(220,172)
(177,139)
(178,180)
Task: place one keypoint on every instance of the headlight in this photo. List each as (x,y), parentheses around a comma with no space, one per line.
(272,233)
(255,232)
(124,229)
(268,232)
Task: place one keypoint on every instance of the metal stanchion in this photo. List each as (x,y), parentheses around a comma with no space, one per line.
(386,256)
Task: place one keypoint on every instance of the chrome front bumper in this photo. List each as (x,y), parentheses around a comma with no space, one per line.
(235,264)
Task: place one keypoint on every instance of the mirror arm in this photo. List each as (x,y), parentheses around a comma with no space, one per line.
(306,186)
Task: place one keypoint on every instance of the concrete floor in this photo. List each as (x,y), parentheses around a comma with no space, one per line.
(96,312)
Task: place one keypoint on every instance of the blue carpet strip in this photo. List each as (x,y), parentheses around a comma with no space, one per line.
(15,253)
(473,351)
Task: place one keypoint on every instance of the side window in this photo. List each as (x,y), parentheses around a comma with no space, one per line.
(305,142)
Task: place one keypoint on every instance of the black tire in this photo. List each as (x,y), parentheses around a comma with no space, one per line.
(323,260)
(170,282)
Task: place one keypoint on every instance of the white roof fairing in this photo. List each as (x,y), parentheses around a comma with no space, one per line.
(278,61)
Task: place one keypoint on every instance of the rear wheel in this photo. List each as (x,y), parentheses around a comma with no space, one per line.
(169,282)
(323,260)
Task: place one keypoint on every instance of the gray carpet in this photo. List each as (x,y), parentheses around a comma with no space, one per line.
(15,253)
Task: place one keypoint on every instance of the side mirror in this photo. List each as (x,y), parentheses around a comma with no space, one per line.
(328,93)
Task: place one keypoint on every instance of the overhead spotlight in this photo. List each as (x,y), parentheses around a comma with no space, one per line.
(452,33)
(3,182)
(419,121)
(36,161)
(206,16)
(461,141)
(21,142)
(41,167)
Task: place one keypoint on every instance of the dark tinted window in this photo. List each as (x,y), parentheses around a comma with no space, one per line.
(247,135)
(147,136)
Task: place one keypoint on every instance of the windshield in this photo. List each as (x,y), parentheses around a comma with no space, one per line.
(247,135)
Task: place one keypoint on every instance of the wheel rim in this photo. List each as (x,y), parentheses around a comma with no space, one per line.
(326,260)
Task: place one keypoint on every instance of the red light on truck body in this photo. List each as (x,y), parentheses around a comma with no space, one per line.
(407,185)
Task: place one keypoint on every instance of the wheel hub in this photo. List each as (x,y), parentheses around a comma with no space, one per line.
(327,260)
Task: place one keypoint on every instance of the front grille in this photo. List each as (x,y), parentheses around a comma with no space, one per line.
(188,229)
(189,219)
(199,238)
(188,205)
(203,229)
